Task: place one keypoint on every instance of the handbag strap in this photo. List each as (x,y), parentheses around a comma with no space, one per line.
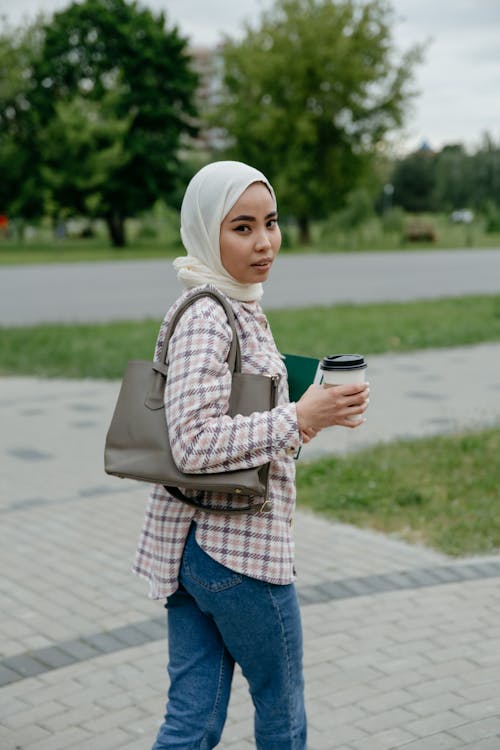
(195,502)
(234,356)
(154,398)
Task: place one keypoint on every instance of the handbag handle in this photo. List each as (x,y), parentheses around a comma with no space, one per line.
(234,357)
(154,399)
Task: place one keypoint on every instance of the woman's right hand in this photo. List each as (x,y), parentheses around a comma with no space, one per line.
(321,407)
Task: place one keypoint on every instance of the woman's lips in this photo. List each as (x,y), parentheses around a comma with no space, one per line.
(263,263)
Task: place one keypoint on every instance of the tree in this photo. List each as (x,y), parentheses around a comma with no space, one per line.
(309,95)
(89,141)
(414,181)
(453,178)
(113,89)
(485,179)
(21,193)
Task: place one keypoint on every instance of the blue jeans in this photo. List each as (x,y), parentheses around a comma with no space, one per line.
(218,618)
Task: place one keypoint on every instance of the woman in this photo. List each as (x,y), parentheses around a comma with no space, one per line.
(228,579)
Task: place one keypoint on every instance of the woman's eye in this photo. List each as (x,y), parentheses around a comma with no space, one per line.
(272,223)
(242,228)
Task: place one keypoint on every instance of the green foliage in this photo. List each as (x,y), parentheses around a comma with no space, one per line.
(393,220)
(450,179)
(309,93)
(485,182)
(347,227)
(440,491)
(453,178)
(20,187)
(492,216)
(414,181)
(89,140)
(358,209)
(111,90)
(391,230)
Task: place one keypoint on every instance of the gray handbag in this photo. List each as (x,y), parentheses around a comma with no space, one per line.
(137,444)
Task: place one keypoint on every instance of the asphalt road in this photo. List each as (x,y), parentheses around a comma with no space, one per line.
(86,292)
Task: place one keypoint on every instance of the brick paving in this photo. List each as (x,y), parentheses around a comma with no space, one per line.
(402,644)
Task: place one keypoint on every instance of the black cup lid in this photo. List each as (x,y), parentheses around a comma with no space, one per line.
(343,362)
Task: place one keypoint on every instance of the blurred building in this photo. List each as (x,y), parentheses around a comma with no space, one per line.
(207,63)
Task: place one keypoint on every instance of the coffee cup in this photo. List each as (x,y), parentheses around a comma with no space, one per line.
(338,369)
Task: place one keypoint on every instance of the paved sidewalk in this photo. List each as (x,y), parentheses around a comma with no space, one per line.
(402,644)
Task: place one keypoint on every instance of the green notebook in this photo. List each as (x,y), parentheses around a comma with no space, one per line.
(302,372)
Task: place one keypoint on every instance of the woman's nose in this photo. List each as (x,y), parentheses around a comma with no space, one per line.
(263,242)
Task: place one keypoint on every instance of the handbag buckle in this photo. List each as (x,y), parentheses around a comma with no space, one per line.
(266,506)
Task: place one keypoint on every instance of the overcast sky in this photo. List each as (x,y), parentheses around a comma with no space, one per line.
(459,80)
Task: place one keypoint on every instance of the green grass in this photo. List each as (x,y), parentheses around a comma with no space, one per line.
(76,351)
(376,328)
(102,350)
(80,251)
(442,491)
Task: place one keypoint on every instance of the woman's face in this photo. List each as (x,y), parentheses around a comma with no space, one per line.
(250,237)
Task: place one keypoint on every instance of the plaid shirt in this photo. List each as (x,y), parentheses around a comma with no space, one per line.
(204,439)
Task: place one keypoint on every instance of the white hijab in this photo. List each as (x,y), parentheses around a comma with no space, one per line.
(209,197)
